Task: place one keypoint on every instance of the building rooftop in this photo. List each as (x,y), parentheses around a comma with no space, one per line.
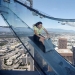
(65,52)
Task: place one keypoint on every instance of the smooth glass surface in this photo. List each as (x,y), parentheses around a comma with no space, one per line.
(20,19)
(56,29)
(23,31)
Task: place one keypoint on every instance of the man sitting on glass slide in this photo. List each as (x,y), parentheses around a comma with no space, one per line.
(38,28)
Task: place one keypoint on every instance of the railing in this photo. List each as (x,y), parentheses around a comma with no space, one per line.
(45,15)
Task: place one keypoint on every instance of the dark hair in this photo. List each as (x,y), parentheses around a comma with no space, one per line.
(37,24)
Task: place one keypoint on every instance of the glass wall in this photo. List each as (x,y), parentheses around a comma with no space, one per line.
(0,2)
(21,20)
(57,30)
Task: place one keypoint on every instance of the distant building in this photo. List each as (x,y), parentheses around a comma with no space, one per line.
(0,64)
(67,54)
(23,60)
(73,55)
(9,62)
(62,43)
(22,51)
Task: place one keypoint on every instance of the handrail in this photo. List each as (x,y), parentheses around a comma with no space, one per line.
(44,15)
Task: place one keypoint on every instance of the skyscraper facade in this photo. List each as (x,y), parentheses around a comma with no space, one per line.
(62,43)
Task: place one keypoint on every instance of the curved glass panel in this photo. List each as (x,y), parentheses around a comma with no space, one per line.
(21,19)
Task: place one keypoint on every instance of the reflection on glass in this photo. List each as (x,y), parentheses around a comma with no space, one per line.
(60,33)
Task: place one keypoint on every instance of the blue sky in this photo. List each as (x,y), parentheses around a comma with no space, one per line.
(55,8)
(59,9)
